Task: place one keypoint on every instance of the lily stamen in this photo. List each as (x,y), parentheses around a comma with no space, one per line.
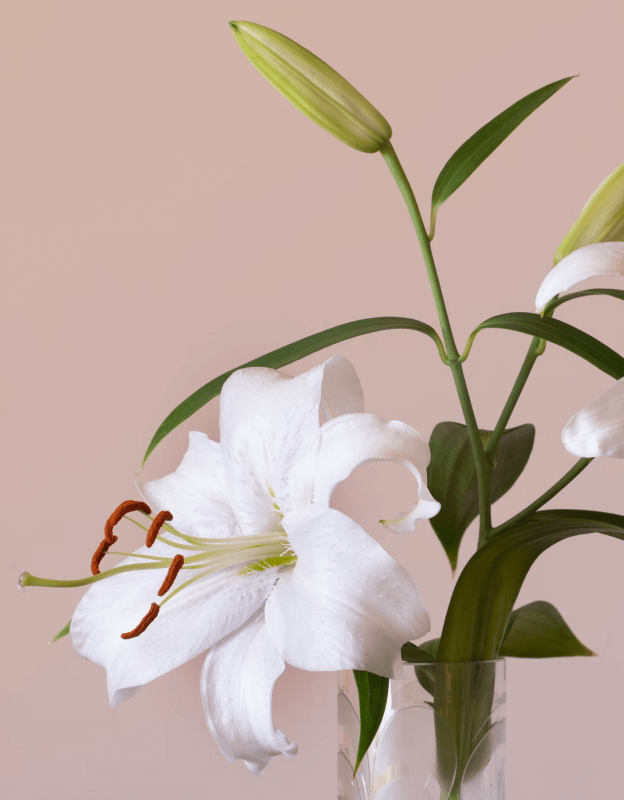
(176,566)
(109,537)
(144,623)
(119,513)
(99,555)
(157,523)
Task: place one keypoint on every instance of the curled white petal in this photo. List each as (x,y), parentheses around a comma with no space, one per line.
(605,259)
(237,682)
(353,439)
(269,435)
(188,624)
(598,429)
(346,604)
(196,494)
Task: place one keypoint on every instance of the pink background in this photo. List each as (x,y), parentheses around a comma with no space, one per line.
(166,216)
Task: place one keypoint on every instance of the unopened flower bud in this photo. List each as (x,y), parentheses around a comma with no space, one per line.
(313,87)
(602,219)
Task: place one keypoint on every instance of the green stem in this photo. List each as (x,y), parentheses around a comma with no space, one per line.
(548,495)
(482,464)
(26,579)
(523,375)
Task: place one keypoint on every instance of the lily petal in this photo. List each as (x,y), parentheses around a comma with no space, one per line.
(353,439)
(188,624)
(598,429)
(196,494)
(269,435)
(605,259)
(346,604)
(237,682)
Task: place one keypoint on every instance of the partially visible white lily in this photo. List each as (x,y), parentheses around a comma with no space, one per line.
(271,573)
(605,259)
(598,429)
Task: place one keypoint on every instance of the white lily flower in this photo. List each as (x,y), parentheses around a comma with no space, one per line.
(271,574)
(605,259)
(598,429)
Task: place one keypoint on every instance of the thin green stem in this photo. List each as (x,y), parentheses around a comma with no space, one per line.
(26,579)
(525,370)
(482,465)
(548,495)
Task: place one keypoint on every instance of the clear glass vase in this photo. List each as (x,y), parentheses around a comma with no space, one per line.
(442,736)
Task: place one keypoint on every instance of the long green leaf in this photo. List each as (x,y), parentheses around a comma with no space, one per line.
(617,293)
(538,630)
(478,614)
(452,477)
(286,355)
(562,334)
(482,144)
(373,695)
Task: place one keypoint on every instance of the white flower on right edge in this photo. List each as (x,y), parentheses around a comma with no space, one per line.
(605,259)
(598,429)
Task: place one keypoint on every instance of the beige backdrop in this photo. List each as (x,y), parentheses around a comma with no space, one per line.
(166,215)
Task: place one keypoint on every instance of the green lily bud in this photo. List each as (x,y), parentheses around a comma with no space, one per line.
(314,87)
(602,219)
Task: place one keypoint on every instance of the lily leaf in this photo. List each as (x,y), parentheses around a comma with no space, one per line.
(482,602)
(63,632)
(482,144)
(452,477)
(373,696)
(562,334)
(414,654)
(538,630)
(550,307)
(286,355)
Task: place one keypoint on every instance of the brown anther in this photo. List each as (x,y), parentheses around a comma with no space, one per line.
(157,523)
(176,566)
(99,555)
(119,513)
(144,623)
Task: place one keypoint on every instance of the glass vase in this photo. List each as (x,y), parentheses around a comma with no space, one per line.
(442,736)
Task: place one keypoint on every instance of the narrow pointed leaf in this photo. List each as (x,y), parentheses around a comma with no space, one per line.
(562,334)
(63,632)
(482,144)
(373,696)
(617,293)
(538,630)
(483,599)
(452,477)
(286,355)
(423,654)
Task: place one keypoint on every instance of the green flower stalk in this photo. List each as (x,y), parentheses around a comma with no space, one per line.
(602,218)
(313,87)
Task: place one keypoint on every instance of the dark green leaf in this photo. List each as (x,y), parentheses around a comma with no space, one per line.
(373,695)
(482,144)
(562,334)
(478,614)
(63,632)
(412,654)
(550,307)
(538,630)
(452,477)
(286,355)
